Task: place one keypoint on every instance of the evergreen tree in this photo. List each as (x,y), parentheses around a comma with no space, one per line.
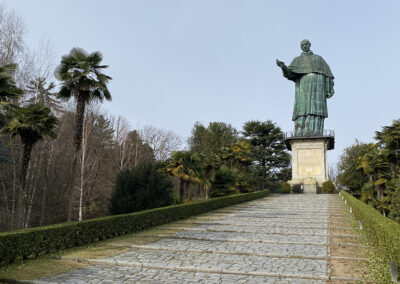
(144,187)
(211,139)
(268,151)
(349,172)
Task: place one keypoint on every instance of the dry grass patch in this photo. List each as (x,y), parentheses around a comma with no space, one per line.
(341,239)
(38,268)
(344,267)
(346,251)
(348,268)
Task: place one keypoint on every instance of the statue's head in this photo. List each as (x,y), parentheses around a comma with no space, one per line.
(305,45)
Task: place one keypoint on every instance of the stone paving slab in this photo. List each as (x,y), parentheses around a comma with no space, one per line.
(240,263)
(265,230)
(231,236)
(114,275)
(278,239)
(218,246)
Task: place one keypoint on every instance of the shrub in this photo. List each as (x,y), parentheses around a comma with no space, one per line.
(224,183)
(395,211)
(30,243)
(139,189)
(285,187)
(383,234)
(328,187)
(319,189)
(297,188)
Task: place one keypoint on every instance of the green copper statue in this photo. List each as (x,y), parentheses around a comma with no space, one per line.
(314,84)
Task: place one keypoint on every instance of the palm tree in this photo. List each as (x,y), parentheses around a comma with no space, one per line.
(81,76)
(31,123)
(375,165)
(389,138)
(186,166)
(209,163)
(8,90)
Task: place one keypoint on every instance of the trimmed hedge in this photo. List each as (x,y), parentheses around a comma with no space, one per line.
(285,187)
(382,233)
(29,243)
(328,187)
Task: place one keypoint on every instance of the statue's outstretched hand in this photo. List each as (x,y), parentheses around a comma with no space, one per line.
(280,64)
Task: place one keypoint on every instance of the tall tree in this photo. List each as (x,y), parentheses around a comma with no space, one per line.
(185,166)
(81,76)
(163,142)
(375,164)
(349,172)
(267,150)
(31,123)
(212,138)
(389,139)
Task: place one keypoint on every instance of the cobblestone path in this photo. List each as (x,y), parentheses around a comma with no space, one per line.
(278,239)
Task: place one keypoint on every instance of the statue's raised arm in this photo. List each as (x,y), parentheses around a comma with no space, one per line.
(314,84)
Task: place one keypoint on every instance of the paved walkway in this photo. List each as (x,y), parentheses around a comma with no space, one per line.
(278,239)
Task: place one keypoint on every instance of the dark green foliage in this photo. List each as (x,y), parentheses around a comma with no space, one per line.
(285,187)
(395,212)
(31,123)
(142,188)
(296,188)
(328,187)
(187,167)
(224,182)
(319,189)
(211,139)
(349,172)
(389,139)
(383,234)
(30,243)
(268,150)
(81,75)
(9,92)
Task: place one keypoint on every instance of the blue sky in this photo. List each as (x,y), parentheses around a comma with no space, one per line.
(177,62)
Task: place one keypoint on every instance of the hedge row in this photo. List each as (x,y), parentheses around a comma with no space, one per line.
(33,242)
(382,233)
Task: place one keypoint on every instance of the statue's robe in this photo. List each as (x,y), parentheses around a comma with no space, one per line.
(314,81)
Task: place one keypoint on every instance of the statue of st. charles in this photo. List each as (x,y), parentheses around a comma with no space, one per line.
(314,84)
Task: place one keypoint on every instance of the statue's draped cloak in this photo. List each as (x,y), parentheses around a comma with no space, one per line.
(314,81)
(308,62)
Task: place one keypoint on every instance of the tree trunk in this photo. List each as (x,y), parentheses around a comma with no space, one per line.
(181,189)
(33,191)
(26,157)
(82,180)
(72,187)
(79,117)
(14,195)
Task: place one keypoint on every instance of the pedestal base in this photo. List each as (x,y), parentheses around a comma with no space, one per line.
(309,163)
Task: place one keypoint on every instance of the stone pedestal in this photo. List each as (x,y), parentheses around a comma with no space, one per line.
(309,160)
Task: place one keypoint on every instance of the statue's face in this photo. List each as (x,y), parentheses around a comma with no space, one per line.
(305,46)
